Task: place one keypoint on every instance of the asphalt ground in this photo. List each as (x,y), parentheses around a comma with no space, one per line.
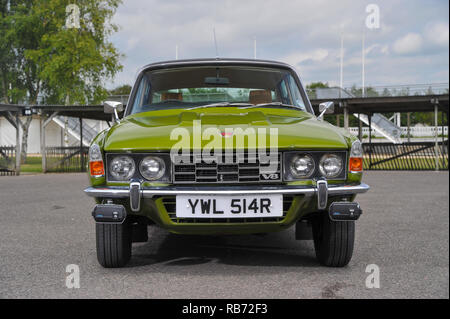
(46,224)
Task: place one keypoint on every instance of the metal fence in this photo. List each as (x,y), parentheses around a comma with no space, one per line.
(66,159)
(7,160)
(414,131)
(378,91)
(406,156)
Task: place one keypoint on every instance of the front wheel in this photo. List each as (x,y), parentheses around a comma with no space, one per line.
(113,244)
(333,240)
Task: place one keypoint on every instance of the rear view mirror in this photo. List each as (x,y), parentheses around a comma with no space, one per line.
(113,107)
(217,81)
(110,107)
(326,108)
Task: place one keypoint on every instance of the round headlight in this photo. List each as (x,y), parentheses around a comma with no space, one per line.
(152,168)
(302,166)
(122,167)
(330,165)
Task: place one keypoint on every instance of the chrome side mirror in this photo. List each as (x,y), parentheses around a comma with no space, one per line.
(325,108)
(113,107)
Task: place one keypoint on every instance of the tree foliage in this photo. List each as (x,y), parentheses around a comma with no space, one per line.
(54,62)
(40,57)
(121,90)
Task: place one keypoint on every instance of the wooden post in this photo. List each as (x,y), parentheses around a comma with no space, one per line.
(43,153)
(18,146)
(45,120)
(359,127)
(408,120)
(370,140)
(346,118)
(81,145)
(436,150)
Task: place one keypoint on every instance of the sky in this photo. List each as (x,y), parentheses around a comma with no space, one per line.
(408,44)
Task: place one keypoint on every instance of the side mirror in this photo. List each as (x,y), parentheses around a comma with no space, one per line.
(325,108)
(113,107)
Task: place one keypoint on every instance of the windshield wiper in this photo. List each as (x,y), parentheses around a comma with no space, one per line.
(219,105)
(271,104)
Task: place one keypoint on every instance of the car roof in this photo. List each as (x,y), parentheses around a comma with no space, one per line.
(215,62)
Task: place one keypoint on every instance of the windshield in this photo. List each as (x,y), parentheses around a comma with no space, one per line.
(209,86)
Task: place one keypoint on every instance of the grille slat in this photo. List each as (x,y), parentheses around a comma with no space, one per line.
(240,168)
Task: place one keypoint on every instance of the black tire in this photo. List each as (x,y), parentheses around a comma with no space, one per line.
(333,241)
(113,244)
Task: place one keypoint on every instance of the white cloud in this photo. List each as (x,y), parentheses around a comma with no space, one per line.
(296,59)
(437,33)
(410,43)
(305,34)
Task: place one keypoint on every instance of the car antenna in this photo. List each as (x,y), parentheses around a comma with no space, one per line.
(215,42)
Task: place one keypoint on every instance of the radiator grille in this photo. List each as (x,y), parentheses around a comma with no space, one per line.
(240,168)
(170,206)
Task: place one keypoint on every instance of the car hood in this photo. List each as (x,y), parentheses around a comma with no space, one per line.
(151,131)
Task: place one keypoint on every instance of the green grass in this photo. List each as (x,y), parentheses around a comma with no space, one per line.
(417,163)
(33,164)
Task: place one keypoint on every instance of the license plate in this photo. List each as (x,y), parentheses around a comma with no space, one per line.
(229,206)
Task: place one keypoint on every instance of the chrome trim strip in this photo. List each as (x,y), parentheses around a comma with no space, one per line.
(124,192)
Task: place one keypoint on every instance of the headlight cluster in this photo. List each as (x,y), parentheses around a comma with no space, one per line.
(306,165)
(356,158)
(96,168)
(126,167)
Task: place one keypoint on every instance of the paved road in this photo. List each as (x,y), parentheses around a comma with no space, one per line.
(45,224)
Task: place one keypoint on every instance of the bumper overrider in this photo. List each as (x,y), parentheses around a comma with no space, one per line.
(321,191)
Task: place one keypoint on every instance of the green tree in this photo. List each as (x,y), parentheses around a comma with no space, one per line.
(121,90)
(56,62)
(369,91)
(12,88)
(311,88)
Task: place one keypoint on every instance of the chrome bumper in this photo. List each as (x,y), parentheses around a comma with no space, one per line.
(124,192)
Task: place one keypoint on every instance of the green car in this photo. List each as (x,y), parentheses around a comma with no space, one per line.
(223,146)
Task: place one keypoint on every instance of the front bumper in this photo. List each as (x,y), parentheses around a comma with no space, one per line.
(124,192)
(153,206)
(135,192)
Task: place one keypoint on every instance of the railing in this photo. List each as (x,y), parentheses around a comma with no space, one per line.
(66,159)
(377,91)
(415,131)
(406,156)
(7,160)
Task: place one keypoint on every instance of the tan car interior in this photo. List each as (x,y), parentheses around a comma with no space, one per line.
(172,96)
(260,96)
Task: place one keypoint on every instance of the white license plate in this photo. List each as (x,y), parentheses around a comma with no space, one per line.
(229,206)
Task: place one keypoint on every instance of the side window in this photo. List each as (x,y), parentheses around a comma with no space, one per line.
(142,95)
(295,93)
(284,92)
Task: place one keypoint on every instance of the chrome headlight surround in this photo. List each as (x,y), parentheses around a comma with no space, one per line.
(122,167)
(152,168)
(330,165)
